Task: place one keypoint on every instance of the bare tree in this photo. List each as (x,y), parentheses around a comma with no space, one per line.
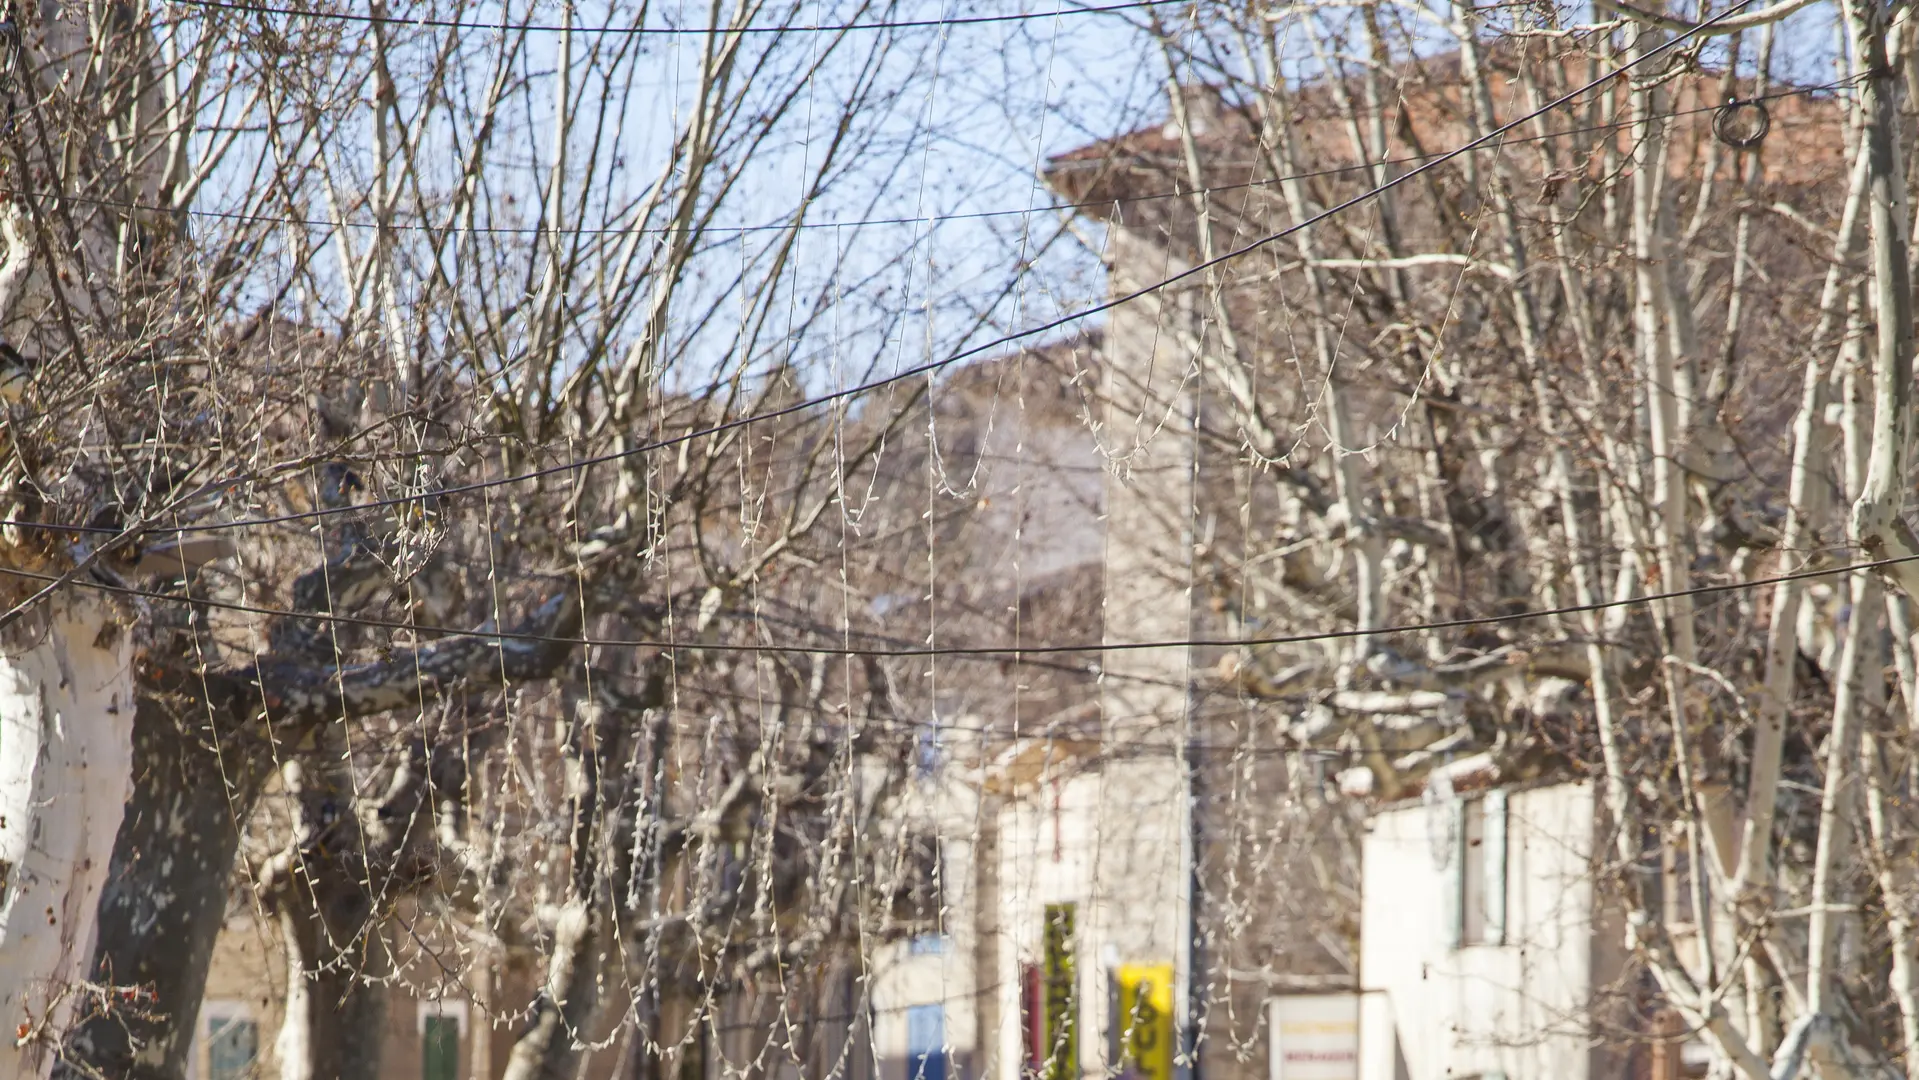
(445,255)
(1549,388)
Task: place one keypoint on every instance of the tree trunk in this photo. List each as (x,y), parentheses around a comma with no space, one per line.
(335,1006)
(165,898)
(1890,834)
(66,762)
(1804,506)
(575,975)
(549,1050)
(1876,525)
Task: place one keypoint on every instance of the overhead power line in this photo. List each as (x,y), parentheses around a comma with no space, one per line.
(1013,651)
(858,223)
(1487,139)
(507,26)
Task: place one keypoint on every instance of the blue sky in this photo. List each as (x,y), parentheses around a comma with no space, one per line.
(967,115)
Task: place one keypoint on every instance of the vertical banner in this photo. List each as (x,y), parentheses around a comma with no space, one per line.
(1143,1018)
(1061,994)
(1315,1037)
(1032,1020)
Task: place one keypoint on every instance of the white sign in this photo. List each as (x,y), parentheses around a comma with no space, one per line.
(1314,1036)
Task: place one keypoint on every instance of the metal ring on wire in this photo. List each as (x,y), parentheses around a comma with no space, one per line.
(1741,125)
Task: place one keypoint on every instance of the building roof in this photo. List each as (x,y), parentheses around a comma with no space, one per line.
(1139,177)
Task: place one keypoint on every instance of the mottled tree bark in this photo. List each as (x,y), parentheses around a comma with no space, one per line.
(66,761)
(570,999)
(165,897)
(334,1011)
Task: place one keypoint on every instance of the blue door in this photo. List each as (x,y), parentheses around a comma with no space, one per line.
(926,1042)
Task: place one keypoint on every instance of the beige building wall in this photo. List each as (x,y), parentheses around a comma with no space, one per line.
(939,969)
(1520,1009)
(1109,842)
(1137,809)
(247,981)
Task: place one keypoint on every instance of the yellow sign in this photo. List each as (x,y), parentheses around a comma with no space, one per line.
(1059,1045)
(1146,1020)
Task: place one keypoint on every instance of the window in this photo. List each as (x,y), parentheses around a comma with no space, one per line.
(440,1049)
(232,1040)
(926,755)
(1478,891)
(926,1042)
(442,1027)
(927,945)
(733,866)
(693,1054)
(1472,871)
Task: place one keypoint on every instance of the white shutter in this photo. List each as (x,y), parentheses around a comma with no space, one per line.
(1495,867)
(1453,883)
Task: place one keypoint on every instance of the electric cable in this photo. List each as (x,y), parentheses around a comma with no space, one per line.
(373,19)
(805,404)
(860,223)
(530,637)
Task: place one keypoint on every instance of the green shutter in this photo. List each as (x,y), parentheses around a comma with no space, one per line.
(1495,867)
(440,1048)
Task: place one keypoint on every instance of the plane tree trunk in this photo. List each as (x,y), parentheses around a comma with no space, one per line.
(165,894)
(66,761)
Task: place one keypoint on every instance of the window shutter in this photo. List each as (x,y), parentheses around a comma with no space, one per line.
(1495,886)
(440,1048)
(1454,885)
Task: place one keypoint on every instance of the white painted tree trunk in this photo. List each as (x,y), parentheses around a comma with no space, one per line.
(66,731)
